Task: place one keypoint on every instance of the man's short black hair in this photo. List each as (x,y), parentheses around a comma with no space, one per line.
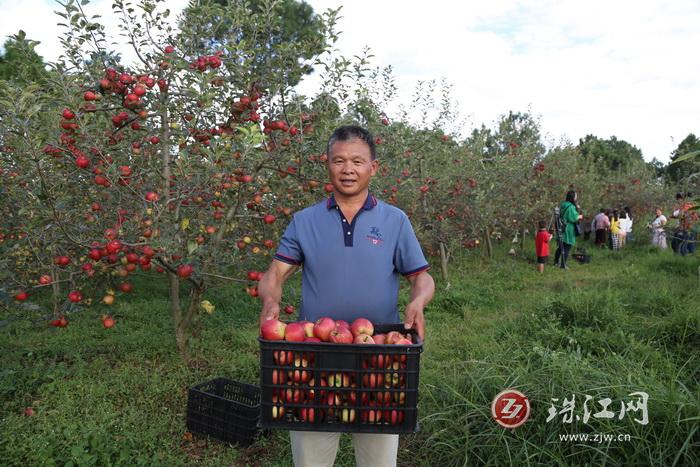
(348,132)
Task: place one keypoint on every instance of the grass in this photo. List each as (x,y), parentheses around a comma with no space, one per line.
(628,321)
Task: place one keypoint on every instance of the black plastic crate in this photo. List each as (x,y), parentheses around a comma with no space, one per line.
(224,409)
(580,255)
(359,388)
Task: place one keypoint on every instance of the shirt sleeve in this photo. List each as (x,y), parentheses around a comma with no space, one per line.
(571,215)
(408,256)
(289,250)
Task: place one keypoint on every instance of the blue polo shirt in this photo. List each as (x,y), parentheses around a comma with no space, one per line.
(351,270)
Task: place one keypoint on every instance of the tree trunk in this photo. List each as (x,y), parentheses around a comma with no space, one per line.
(444,258)
(489,246)
(56,291)
(182,321)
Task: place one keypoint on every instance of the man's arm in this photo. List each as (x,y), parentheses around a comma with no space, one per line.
(270,288)
(422,290)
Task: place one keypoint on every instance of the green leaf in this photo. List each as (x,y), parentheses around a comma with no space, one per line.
(685,157)
(191,246)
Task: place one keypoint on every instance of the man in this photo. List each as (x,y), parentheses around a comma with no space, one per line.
(601,224)
(684,236)
(353,248)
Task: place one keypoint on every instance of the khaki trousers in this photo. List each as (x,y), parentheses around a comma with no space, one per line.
(318,449)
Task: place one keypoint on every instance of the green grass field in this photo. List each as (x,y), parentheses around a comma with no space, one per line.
(629,321)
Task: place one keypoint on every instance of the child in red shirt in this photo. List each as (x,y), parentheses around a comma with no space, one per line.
(542,245)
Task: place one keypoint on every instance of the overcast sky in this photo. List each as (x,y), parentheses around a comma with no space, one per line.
(628,68)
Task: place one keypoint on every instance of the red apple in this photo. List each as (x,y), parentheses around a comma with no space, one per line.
(45,279)
(340,336)
(62,260)
(108,322)
(306,414)
(347,415)
(282,357)
(289,309)
(273,330)
(339,380)
(294,332)
(363,339)
(308,328)
(362,326)
(279,377)
(373,380)
(323,328)
(75,296)
(277,411)
(342,324)
(392,337)
(184,270)
(403,341)
(269,219)
(379,339)
(114,246)
(312,339)
(21,296)
(254,275)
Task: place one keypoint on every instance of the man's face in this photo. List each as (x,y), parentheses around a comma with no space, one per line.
(350,166)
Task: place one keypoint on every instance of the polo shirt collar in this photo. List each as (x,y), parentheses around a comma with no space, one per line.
(370,202)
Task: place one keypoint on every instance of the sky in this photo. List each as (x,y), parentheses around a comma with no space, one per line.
(628,68)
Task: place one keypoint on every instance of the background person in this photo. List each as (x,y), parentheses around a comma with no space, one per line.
(542,240)
(353,248)
(569,217)
(630,236)
(615,230)
(685,234)
(625,228)
(658,234)
(679,235)
(601,224)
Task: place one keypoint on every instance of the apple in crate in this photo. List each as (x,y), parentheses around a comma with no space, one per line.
(363,339)
(341,336)
(323,328)
(294,332)
(362,326)
(308,328)
(393,337)
(340,324)
(273,330)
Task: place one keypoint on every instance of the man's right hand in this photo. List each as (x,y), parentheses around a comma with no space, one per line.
(270,289)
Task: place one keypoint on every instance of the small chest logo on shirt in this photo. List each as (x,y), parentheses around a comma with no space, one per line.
(375,236)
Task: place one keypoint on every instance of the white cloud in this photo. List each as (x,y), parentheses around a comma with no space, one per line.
(604,67)
(622,67)
(38,20)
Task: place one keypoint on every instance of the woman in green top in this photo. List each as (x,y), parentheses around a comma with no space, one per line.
(569,216)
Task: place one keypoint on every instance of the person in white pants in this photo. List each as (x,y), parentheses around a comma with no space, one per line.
(353,250)
(318,449)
